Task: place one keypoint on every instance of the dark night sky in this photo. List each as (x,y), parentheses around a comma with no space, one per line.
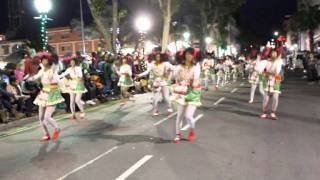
(261,17)
(256,17)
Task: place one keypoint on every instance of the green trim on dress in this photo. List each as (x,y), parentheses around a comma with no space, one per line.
(193,97)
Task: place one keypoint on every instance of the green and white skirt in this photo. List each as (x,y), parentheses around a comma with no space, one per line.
(125,81)
(50,95)
(186,96)
(77,86)
(271,84)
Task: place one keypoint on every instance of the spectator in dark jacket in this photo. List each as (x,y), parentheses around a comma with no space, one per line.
(311,69)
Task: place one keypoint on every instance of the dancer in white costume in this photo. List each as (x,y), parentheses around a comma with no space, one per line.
(213,72)
(257,77)
(125,80)
(272,85)
(235,70)
(205,72)
(48,97)
(227,69)
(187,92)
(220,73)
(75,87)
(249,67)
(162,73)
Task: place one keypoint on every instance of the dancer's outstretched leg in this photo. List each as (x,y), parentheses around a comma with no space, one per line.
(179,119)
(50,120)
(252,92)
(43,123)
(79,104)
(166,93)
(189,116)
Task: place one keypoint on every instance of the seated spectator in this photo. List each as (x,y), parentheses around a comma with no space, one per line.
(5,101)
(90,95)
(107,72)
(19,72)
(3,114)
(98,81)
(22,101)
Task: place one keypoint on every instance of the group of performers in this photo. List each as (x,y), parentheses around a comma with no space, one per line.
(265,70)
(267,75)
(50,95)
(180,84)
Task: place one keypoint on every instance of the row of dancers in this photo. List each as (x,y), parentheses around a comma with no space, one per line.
(180,84)
(71,81)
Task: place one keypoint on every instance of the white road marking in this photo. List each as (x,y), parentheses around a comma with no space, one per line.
(88,163)
(165,119)
(219,101)
(234,90)
(186,127)
(133,168)
(242,84)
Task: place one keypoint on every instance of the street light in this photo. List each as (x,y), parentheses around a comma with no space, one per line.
(276,33)
(186,36)
(208,40)
(143,24)
(43,7)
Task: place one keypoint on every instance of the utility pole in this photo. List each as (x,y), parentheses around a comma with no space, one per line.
(82,29)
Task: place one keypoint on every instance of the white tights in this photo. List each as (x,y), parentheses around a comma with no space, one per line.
(253,90)
(187,113)
(275,102)
(165,91)
(45,118)
(220,80)
(75,98)
(214,79)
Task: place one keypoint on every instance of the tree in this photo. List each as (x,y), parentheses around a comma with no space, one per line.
(97,8)
(216,14)
(90,31)
(168,8)
(307,19)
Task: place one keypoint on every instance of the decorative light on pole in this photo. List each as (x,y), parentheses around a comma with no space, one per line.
(143,24)
(208,40)
(186,36)
(43,7)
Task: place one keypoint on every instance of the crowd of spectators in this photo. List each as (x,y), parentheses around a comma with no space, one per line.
(100,70)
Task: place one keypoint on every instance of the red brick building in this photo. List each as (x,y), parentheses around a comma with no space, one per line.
(64,41)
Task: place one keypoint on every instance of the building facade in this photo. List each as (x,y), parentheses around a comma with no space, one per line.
(66,41)
(9,47)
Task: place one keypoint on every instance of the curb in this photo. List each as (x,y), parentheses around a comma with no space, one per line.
(26,121)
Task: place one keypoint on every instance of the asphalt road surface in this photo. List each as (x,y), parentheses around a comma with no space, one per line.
(126,142)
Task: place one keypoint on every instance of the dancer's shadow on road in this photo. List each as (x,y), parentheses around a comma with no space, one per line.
(45,150)
(230,110)
(49,155)
(125,139)
(99,129)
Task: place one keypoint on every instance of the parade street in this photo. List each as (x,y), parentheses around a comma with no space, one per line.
(126,142)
